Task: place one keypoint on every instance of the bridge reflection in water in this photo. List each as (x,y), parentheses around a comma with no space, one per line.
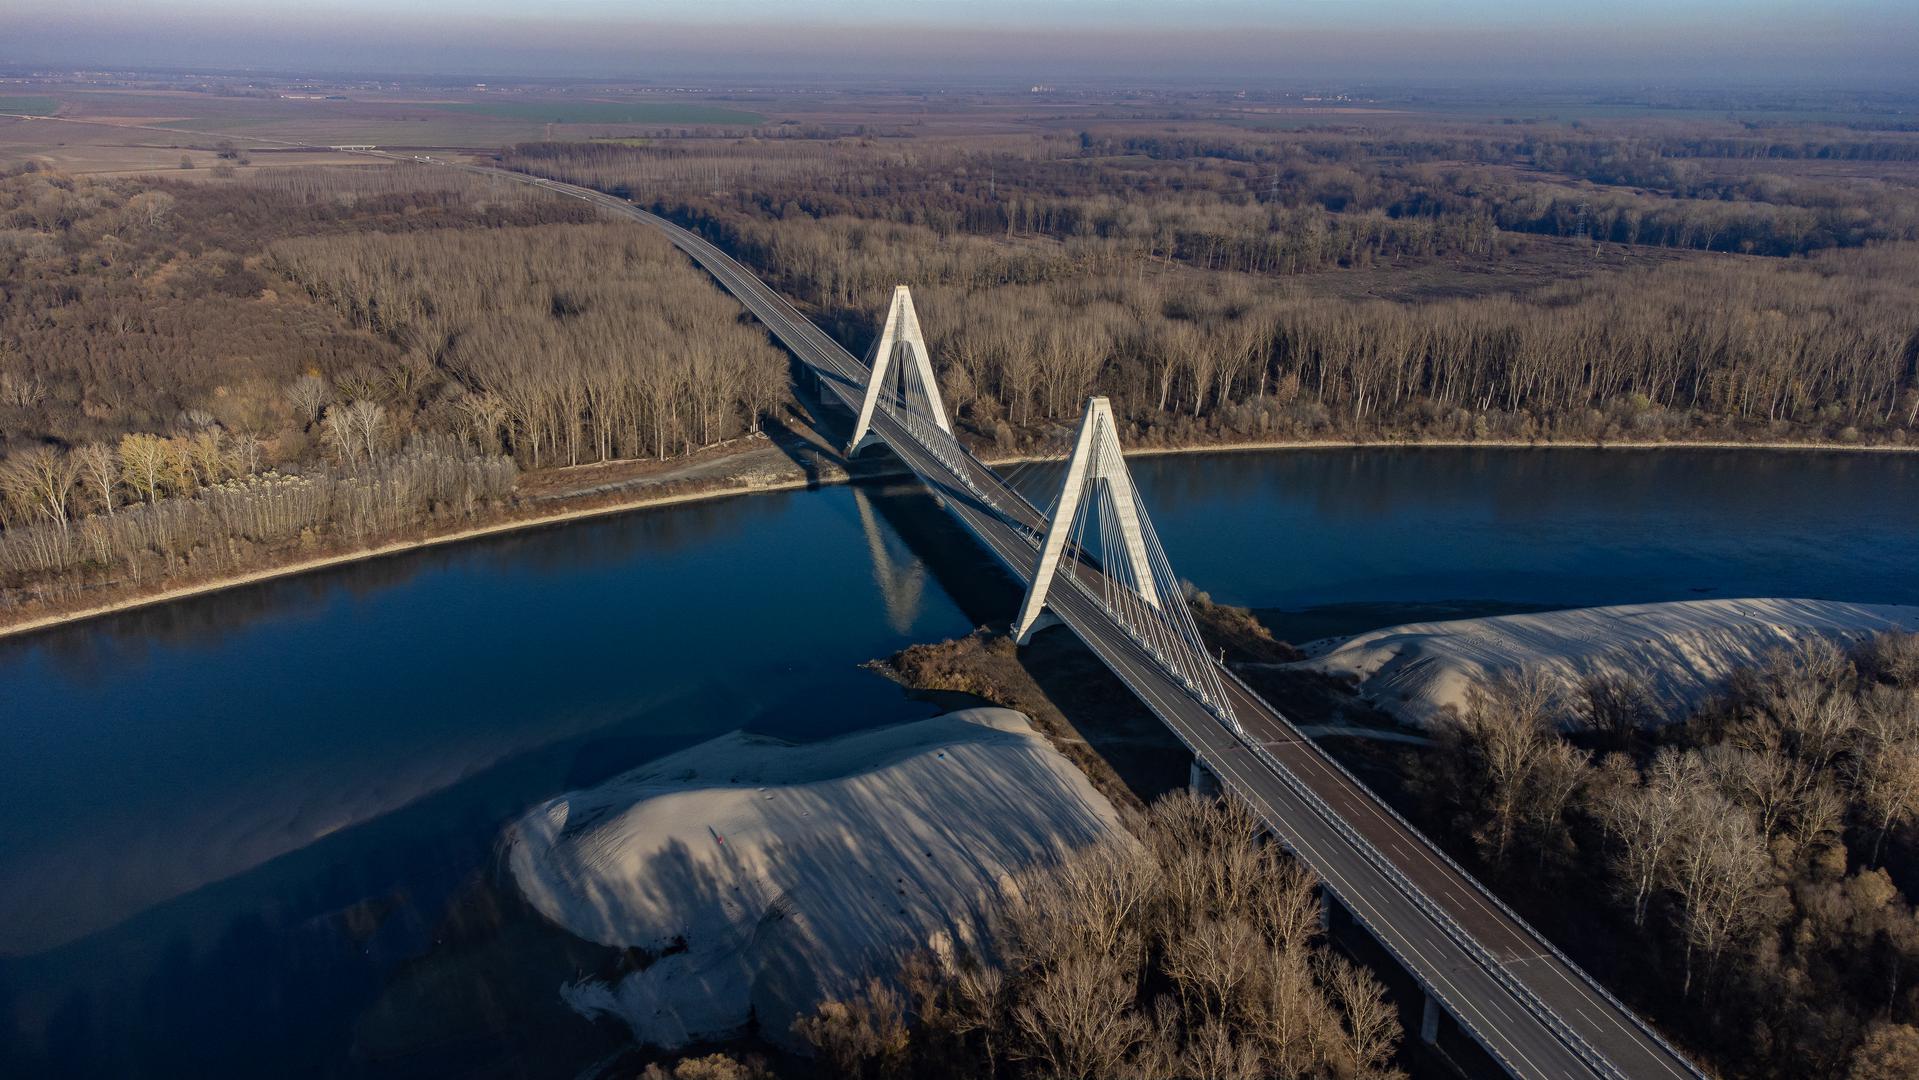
(902,582)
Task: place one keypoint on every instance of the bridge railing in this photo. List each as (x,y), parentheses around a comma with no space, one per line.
(1287,776)
(1277,828)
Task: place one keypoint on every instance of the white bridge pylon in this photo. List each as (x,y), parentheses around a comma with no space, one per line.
(1096,461)
(1100,541)
(902,375)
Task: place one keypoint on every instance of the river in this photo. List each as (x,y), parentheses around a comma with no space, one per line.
(254,831)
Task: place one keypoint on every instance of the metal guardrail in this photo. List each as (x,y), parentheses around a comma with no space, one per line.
(1478,886)
(1444,920)
(1374,857)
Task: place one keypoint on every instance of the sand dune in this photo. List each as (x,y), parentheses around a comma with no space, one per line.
(774,874)
(1685,649)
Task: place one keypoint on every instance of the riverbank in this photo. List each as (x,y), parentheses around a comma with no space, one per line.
(1465,444)
(761,877)
(536,520)
(603,500)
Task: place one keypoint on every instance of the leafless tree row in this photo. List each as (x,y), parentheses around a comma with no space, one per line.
(125,304)
(229,524)
(1765,348)
(568,345)
(1821,345)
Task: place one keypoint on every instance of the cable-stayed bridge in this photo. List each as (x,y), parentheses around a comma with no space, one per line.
(1092,562)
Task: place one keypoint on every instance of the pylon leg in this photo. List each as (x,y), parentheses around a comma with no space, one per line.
(902,334)
(1096,457)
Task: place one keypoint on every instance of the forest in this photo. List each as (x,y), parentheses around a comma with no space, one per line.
(1202,282)
(1750,866)
(198,379)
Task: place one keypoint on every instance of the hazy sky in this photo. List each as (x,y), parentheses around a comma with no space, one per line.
(1851,42)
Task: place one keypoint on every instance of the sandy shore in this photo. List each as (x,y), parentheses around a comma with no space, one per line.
(1684,650)
(307,565)
(770,875)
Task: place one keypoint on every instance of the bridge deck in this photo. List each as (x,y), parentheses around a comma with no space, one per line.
(1528,1005)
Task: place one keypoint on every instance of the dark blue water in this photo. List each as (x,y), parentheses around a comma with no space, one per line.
(254,832)
(1561,527)
(231,827)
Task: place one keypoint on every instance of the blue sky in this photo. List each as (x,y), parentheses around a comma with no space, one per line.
(1845,41)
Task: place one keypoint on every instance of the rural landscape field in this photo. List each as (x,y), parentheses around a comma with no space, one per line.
(1066,545)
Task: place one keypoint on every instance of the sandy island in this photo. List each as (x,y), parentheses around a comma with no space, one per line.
(1685,650)
(770,875)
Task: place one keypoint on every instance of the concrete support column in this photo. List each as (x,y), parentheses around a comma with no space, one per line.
(1429,1020)
(1202,780)
(1326,903)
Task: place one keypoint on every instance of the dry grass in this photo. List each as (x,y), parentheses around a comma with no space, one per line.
(1088,714)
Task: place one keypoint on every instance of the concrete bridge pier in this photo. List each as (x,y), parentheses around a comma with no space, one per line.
(1202,780)
(1429,1020)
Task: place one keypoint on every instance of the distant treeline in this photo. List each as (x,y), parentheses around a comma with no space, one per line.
(1424,193)
(1055,267)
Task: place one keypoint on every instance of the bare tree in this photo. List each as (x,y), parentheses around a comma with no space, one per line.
(868,1030)
(308,394)
(1508,729)
(206,454)
(1215,1052)
(1367,1020)
(1093,901)
(1619,707)
(1211,963)
(100,469)
(143,464)
(1885,779)
(1768,784)
(979,1007)
(1077,1022)
(1646,822)
(343,433)
(369,424)
(1721,874)
(40,481)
